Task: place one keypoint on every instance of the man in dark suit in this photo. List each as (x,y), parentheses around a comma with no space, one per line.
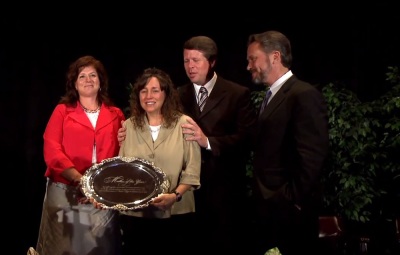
(290,148)
(223,130)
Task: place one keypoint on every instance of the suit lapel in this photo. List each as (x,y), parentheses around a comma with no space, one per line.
(145,134)
(188,98)
(148,138)
(189,101)
(162,135)
(105,117)
(79,116)
(216,95)
(278,98)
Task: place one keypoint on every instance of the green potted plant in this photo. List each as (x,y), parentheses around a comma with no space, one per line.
(364,138)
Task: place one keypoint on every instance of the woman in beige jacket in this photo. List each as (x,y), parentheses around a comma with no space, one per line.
(154,133)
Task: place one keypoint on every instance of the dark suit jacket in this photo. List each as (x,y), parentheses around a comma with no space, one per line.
(291,144)
(228,119)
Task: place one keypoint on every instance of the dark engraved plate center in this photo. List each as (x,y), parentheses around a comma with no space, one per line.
(124,183)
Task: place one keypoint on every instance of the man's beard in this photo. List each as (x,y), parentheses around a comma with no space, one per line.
(259,78)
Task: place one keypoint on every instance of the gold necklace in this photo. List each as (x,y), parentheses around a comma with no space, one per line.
(90,111)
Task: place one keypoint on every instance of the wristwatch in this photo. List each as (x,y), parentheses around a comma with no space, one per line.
(178,195)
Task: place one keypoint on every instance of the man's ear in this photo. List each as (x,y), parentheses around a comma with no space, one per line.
(276,55)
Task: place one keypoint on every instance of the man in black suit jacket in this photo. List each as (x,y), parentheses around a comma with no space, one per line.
(223,130)
(290,148)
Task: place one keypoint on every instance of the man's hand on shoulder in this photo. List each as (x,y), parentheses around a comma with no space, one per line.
(194,133)
(121,133)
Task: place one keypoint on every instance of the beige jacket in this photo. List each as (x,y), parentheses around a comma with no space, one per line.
(179,159)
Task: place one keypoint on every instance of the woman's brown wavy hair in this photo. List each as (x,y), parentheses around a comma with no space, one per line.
(71,95)
(171,109)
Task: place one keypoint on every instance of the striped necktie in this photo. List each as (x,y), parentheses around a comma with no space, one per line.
(265,102)
(203,94)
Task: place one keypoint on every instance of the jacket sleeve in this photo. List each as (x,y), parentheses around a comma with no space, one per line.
(54,155)
(191,168)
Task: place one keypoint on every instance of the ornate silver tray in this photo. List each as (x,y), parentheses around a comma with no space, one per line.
(124,183)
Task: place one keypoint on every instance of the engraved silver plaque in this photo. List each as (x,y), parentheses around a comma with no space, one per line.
(124,183)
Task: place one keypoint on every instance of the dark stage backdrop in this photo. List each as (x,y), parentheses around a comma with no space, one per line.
(334,44)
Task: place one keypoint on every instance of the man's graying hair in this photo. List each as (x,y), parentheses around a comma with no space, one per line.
(204,44)
(274,41)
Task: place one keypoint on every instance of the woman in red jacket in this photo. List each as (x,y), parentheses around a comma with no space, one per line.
(82,130)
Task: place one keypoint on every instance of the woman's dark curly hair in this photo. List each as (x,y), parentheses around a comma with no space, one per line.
(71,95)
(171,110)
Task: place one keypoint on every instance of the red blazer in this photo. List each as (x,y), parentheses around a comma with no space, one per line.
(69,138)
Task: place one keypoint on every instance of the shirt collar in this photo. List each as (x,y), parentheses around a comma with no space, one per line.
(209,85)
(278,83)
